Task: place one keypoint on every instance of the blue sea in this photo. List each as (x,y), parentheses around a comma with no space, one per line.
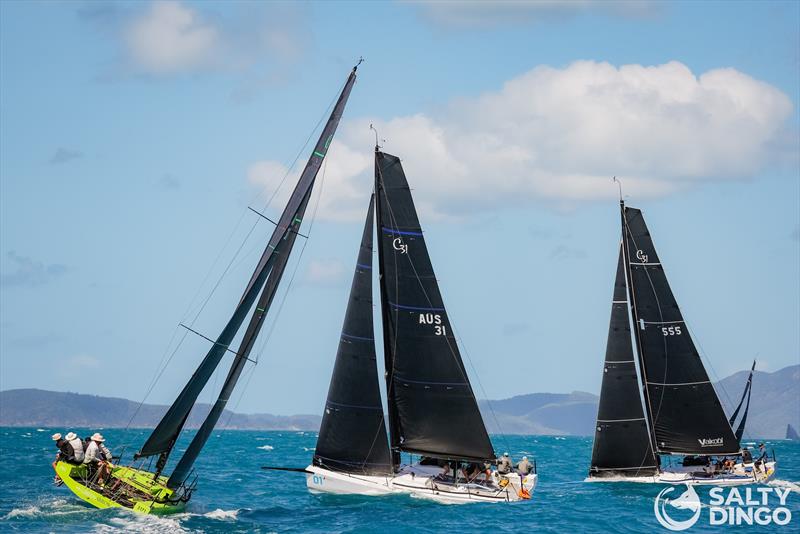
(235,495)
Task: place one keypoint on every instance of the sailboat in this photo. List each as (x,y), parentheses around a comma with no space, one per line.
(432,410)
(143,490)
(678,413)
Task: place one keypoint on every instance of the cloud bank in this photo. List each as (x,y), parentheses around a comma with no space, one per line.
(560,134)
(28,272)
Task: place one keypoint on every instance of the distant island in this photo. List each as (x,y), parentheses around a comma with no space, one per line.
(775,406)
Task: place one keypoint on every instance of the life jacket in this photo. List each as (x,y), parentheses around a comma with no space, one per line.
(77,449)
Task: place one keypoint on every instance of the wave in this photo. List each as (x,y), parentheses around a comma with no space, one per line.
(28,511)
(140,523)
(777,483)
(222,514)
(266,447)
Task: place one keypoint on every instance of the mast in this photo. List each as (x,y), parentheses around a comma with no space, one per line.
(352,436)
(432,408)
(163,438)
(685,414)
(621,442)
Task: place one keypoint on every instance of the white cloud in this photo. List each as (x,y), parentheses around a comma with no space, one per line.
(171,37)
(324,271)
(491,13)
(560,135)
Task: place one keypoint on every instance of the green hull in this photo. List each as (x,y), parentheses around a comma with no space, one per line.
(127,487)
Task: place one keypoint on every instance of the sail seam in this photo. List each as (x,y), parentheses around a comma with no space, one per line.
(619,420)
(678,383)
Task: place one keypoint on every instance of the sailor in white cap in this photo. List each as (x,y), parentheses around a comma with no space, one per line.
(77,448)
(504,464)
(98,456)
(524,466)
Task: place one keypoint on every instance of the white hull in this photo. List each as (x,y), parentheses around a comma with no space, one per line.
(740,475)
(422,481)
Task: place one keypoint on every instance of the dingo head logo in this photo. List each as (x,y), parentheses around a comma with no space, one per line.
(641,256)
(398,244)
(688,500)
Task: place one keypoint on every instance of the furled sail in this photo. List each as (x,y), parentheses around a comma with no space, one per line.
(352,437)
(622,445)
(432,408)
(163,438)
(684,411)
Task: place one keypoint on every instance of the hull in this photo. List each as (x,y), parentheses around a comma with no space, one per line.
(425,482)
(740,475)
(127,487)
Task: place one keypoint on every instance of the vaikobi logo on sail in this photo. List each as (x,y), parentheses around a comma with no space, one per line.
(711,442)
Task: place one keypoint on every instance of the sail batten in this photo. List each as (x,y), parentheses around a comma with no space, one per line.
(685,414)
(622,444)
(352,436)
(163,438)
(432,407)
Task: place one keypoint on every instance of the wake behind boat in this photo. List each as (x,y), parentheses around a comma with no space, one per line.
(432,409)
(682,415)
(143,489)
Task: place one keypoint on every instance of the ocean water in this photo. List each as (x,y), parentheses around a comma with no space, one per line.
(235,495)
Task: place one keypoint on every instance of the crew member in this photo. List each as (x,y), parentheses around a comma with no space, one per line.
(98,457)
(524,466)
(504,464)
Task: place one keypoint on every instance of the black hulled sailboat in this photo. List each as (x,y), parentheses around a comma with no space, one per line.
(432,410)
(678,412)
(148,491)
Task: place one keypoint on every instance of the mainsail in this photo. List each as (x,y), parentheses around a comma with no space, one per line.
(270,265)
(432,408)
(622,445)
(748,389)
(685,414)
(352,436)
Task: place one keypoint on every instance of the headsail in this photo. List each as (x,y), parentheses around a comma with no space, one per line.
(684,411)
(622,445)
(352,437)
(163,438)
(748,389)
(432,408)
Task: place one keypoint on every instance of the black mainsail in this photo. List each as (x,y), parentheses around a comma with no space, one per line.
(621,442)
(266,275)
(352,436)
(432,408)
(683,409)
(748,389)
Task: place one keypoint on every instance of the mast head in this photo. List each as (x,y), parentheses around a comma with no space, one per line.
(360,61)
(377,146)
(619,185)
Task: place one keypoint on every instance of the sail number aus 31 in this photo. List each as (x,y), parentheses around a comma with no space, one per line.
(433,319)
(671,330)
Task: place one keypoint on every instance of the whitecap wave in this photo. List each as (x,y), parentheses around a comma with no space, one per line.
(222,514)
(28,511)
(266,447)
(309,449)
(777,483)
(146,524)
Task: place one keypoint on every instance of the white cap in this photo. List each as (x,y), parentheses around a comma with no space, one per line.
(97,436)
(56,436)
(70,436)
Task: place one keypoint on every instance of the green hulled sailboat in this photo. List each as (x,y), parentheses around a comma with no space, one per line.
(143,490)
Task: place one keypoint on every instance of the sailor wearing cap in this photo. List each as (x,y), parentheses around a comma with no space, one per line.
(98,456)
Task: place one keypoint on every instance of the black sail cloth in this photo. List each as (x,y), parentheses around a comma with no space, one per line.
(163,438)
(622,445)
(352,436)
(684,411)
(432,408)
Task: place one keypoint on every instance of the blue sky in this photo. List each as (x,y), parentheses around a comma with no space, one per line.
(133,137)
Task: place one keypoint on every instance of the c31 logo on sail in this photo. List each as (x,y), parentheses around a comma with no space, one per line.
(641,256)
(688,500)
(397,244)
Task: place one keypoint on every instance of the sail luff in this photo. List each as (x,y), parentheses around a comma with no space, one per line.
(282,253)
(744,394)
(388,349)
(631,296)
(163,438)
(352,435)
(686,415)
(748,391)
(436,410)
(622,445)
